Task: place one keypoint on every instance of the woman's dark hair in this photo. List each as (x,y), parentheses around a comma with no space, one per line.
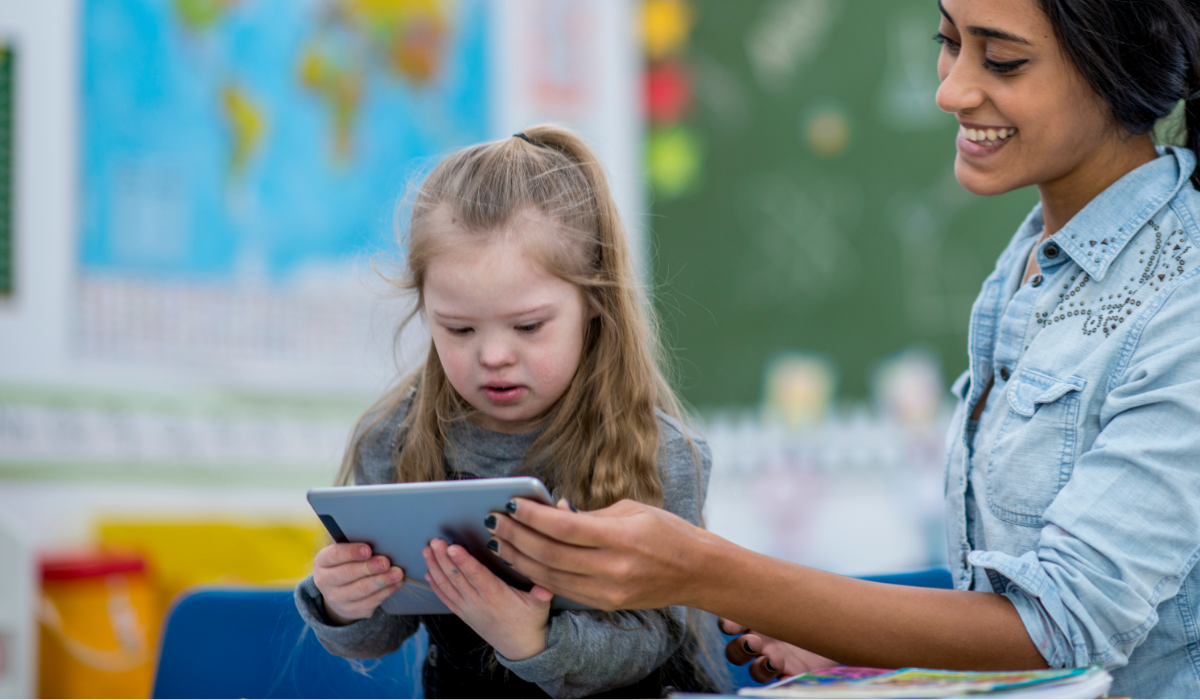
(1141,56)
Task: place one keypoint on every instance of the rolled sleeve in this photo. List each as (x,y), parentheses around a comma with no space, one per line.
(1033,593)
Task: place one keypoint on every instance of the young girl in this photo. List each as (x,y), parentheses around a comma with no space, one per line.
(543,362)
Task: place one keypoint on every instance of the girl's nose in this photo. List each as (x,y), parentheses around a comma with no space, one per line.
(496,353)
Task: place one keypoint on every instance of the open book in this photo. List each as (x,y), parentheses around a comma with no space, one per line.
(853,682)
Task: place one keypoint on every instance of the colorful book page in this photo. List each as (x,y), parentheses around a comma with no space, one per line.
(846,681)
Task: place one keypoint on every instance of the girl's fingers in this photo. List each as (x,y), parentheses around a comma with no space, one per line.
(364,607)
(454,572)
(361,588)
(440,577)
(342,553)
(437,590)
(476,574)
(376,599)
(541,595)
(366,587)
(350,572)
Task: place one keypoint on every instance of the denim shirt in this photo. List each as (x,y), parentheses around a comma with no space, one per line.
(1077,493)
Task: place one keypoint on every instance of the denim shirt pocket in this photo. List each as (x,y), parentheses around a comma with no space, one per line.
(1034,450)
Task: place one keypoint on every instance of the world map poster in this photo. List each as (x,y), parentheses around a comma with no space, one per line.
(243,158)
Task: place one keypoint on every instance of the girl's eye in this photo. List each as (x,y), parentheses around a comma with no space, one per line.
(529,327)
(950,45)
(458,331)
(1003,67)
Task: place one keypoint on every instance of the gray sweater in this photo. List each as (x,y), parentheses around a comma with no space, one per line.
(586,652)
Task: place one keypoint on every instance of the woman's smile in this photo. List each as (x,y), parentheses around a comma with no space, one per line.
(982,141)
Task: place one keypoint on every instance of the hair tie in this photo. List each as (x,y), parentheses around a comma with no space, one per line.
(521,135)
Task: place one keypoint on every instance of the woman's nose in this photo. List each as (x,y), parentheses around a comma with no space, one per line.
(960,89)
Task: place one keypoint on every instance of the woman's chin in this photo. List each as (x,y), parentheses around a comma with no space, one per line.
(984,184)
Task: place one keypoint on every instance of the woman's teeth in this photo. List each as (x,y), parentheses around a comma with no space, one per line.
(987,137)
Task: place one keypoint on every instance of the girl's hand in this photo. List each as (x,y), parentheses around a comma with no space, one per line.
(512,621)
(352,582)
(769,658)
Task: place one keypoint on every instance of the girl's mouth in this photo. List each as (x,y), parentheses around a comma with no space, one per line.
(983,142)
(503,393)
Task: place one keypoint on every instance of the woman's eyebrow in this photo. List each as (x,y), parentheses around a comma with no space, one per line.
(989,33)
(985,32)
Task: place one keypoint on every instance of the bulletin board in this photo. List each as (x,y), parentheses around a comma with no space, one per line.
(823,215)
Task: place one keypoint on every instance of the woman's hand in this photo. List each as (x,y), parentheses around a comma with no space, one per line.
(512,621)
(627,556)
(352,582)
(769,658)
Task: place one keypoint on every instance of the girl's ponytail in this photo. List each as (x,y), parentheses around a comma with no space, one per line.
(611,232)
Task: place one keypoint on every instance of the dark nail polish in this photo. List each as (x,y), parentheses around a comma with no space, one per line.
(746,645)
(490,522)
(511,507)
(770,668)
(572,507)
(494,546)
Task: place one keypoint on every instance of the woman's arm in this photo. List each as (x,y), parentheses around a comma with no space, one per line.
(630,555)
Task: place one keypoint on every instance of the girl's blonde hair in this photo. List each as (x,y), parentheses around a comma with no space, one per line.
(600,440)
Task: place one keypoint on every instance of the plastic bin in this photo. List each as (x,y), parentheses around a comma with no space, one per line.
(98,626)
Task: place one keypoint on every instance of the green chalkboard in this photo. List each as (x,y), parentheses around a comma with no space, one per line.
(826,217)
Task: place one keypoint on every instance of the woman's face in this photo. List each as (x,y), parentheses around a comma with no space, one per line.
(1026,115)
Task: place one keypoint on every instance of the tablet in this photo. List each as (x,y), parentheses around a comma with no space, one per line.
(399,520)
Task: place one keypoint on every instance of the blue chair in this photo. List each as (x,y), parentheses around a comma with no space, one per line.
(928,578)
(229,643)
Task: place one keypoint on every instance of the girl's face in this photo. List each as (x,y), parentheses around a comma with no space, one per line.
(1026,115)
(509,334)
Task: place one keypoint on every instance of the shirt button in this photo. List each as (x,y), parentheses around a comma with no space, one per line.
(1004,373)
(1050,251)
(1036,281)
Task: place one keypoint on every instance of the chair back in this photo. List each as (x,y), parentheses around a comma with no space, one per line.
(230,643)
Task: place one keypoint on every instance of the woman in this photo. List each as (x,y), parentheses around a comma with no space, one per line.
(1073,467)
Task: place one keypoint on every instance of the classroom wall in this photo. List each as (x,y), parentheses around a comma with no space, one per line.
(45,325)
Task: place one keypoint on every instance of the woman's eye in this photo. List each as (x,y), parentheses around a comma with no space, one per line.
(529,327)
(951,45)
(1004,66)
